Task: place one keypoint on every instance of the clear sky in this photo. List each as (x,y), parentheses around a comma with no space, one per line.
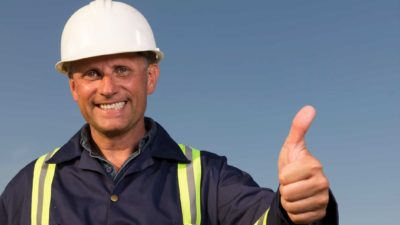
(235,72)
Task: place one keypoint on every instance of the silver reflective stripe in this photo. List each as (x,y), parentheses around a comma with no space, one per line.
(191,184)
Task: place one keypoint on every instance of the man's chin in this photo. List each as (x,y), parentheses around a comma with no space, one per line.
(111,132)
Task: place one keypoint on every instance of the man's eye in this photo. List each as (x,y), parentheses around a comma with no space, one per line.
(122,70)
(92,74)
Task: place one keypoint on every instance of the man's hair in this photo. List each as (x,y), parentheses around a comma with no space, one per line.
(150,57)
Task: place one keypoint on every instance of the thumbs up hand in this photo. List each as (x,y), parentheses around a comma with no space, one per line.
(303,187)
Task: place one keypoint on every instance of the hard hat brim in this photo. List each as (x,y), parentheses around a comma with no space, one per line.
(62,66)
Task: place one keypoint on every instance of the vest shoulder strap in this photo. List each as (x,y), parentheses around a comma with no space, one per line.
(189,179)
(43,174)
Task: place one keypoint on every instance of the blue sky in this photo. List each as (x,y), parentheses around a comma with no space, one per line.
(234,74)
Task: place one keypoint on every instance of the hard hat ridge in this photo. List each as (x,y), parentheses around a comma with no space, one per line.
(105,3)
(105,27)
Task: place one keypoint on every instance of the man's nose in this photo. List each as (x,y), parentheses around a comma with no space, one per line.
(109,86)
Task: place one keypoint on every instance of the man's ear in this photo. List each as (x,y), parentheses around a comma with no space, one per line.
(72,88)
(153,73)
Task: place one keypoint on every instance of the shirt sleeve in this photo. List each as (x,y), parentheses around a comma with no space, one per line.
(15,199)
(3,213)
(240,200)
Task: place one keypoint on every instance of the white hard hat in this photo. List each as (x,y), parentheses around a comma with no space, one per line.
(104,27)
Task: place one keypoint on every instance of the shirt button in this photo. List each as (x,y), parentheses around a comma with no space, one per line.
(108,169)
(114,198)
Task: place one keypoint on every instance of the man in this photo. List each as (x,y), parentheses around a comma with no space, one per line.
(123,168)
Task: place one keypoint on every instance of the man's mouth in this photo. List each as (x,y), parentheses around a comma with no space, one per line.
(112,106)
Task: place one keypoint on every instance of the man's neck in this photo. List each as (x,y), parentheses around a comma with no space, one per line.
(117,149)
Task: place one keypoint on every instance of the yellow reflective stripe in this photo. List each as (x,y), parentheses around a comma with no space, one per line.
(47,194)
(35,188)
(43,175)
(266,217)
(263,219)
(189,179)
(197,179)
(184,190)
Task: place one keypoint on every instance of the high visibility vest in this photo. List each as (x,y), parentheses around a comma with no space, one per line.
(189,181)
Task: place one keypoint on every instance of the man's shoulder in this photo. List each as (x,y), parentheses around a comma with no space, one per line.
(23,177)
(208,155)
(211,160)
(20,186)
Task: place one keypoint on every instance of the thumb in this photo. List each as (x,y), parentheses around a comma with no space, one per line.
(294,144)
(300,125)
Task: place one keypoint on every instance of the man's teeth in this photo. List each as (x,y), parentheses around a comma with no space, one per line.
(117,105)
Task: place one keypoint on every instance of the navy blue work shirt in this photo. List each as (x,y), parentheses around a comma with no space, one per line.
(146,194)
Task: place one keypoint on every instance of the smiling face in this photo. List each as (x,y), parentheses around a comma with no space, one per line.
(111,92)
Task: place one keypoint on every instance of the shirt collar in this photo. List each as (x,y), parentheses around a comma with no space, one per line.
(159,143)
(165,147)
(87,142)
(69,151)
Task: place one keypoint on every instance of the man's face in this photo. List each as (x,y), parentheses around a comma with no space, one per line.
(111,91)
